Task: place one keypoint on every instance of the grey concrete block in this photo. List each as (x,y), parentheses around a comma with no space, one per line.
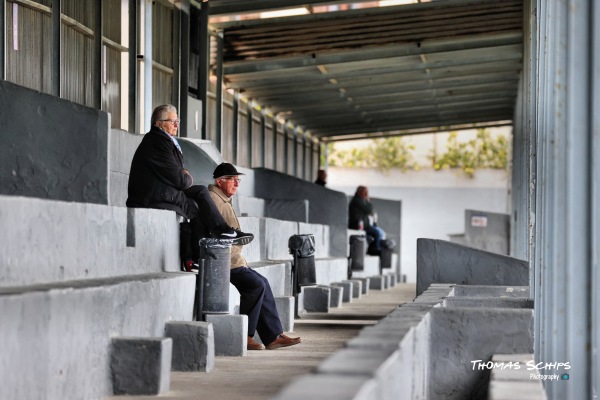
(346,292)
(371,267)
(522,390)
(331,269)
(278,273)
(330,387)
(85,230)
(365,284)
(316,298)
(193,345)
(249,206)
(392,277)
(491,291)
(386,281)
(373,342)
(475,336)
(255,250)
(376,283)
(140,365)
(335,296)
(355,361)
(68,328)
(277,234)
(231,334)
(440,261)
(487,302)
(356,288)
(285,309)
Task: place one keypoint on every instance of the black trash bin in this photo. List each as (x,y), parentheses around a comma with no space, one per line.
(213,278)
(387,249)
(358,249)
(302,248)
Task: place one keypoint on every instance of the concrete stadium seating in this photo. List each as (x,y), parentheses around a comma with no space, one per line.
(81,272)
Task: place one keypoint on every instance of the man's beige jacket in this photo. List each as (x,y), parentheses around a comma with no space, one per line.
(225,207)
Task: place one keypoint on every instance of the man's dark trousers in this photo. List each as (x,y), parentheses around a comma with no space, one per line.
(257,302)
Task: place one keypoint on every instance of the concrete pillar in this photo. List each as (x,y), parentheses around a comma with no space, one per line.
(141,365)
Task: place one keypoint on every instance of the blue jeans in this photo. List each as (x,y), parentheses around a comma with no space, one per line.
(377,234)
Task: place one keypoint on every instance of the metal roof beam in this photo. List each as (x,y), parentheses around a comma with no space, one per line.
(367,54)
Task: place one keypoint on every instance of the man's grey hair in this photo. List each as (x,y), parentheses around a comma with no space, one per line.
(161,112)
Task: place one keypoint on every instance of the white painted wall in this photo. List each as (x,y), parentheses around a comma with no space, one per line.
(433,202)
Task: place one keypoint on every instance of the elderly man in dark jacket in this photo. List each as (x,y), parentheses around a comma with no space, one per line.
(158,179)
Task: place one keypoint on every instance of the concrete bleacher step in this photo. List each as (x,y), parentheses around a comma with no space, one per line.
(398,357)
(65,329)
(54,241)
(514,382)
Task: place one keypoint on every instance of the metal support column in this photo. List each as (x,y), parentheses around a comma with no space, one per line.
(274,149)
(286,169)
(97,81)
(564,215)
(250,142)
(204,66)
(263,134)
(56,46)
(219,94)
(3,40)
(148,5)
(235,121)
(133,65)
(183,66)
(295,171)
(303,176)
(595,188)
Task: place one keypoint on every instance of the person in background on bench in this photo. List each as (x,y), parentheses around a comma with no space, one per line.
(256,297)
(361,216)
(158,179)
(321,177)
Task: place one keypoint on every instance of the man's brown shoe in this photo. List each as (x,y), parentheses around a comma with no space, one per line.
(252,345)
(283,341)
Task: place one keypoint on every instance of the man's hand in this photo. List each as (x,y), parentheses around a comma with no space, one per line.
(185,171)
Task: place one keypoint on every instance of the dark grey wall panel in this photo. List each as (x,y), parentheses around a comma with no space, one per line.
(326,206)
(198,162)
(488,231)
(439,261)
(52,148)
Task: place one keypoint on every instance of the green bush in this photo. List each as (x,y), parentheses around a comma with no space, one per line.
(482,152)
(382,154)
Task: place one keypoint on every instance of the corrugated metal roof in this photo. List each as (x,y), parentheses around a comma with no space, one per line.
(382,70)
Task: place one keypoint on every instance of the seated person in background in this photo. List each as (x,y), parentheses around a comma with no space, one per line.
(256,297)
(321,177)
(157,179)
(361,215)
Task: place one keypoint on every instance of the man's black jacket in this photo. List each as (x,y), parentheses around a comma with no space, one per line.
(157,177)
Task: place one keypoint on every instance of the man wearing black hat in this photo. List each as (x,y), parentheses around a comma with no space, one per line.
(158,179)
(256,297)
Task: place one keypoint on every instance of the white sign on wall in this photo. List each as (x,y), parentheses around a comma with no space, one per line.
(479,221)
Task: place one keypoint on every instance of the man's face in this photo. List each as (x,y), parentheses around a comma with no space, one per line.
(169,124)
(228,185)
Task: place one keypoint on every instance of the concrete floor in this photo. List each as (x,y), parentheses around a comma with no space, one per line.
(262,374)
